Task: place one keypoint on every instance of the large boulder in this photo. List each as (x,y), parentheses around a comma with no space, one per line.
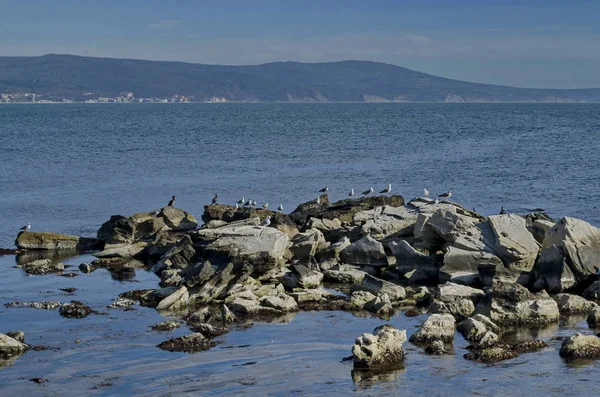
(513,304)
(366,251)
(408,259)
(262,247)
(580,346)
(425,236)
(479,330)
(459,308)
(436,327)
(118,229)
(451,223)
(54,241)
(570,254)
(513,243)
(451,292)
(343,210)
(494,272)
(462,266)
(229,214)
(572,304)
(378,287)
(177,219)
(179,256)
(593,291)
(218,286)
(380,351)
(10,347)
(301,277)
(305,245)
(382,222)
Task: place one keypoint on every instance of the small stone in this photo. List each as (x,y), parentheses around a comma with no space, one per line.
(169,325)
(74,309)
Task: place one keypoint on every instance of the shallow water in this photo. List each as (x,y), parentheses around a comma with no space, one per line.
(115,353)
(67,168)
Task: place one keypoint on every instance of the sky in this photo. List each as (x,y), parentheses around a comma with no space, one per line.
(529,43)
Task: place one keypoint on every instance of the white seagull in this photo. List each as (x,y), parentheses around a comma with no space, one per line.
(248,203)
(265,205)
(253,203)
(324,190)
(367,192)
(437,200)
(266,222)
(425,192)
(26,227)
(351,193)
(387,189)
(241,201)
(280,208)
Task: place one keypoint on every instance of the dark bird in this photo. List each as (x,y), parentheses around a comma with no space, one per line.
(324,190)
(446,195)
(248,203)
(387,189)
(502,212)
(367,192)
(215,199)
(241,201)
(172,202)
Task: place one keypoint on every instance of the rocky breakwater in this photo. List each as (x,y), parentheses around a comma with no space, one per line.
(485,274)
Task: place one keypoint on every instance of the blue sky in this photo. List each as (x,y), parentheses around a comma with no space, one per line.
(526,43)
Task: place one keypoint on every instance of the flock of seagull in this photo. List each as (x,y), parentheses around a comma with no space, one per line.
(267,221)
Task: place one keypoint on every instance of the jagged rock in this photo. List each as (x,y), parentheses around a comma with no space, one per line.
(450,292)
(118,229)
(267,305)
(479,330)
(149,298)
(513,243)
(436,327)
(19,336)
(301,277)
(343,210)
(168,325)
(177,219)
(122,250)
(86,268)
(366,251)
(333,251)
(450,223)
(593,291)
(409,260)
(175,301)
(10,347)
(491,355)
(573,304)
(147,225)
(45,305)
(209,330)
(382,222)
(377,287)
(351,276)
(512,304)
(218,285)
(361,298)
(198,273)
(459,308)
(425,236)
(54,241)
(189,343)
(263,248)
(570,255)
(325,226)
(490,273)
(380,305)
(282,302)
(74,309)
(538,227)
(269,290)
(178,257)
(42,266)
(171,278)
(379,351)
(580,346)
(161,245)
(436,347)
(593,319)
(306,245)
(120,303)
(461,266)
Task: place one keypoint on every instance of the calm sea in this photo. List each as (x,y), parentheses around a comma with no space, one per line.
(67,168)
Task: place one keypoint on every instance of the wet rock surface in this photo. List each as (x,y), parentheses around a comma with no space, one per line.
(382,350)
(191,343)
(74,309)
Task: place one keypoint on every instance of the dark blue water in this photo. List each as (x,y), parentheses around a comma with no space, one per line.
(67,168)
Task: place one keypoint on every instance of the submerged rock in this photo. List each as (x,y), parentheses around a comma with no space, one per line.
(377,286)
(380,351)
(479,330)
(491,355)
(436,327)
(54,241)
(580,346)
(366,251)
(74,309)
(45,305)
(189,343)
(42,266)
(169,325)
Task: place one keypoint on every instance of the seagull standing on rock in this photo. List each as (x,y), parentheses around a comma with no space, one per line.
(280,208)
(437,200)
(351,194)
(324,190)
(25,227)
(253,203)
(241,201)
(215,199)
(155,213)
(446,195)
(266,222)
(367,192)
(265,205)
(248,203)
(425,192)
(171,202)
(387,189)
(502,212)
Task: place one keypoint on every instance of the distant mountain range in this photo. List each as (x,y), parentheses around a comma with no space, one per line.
(68,76)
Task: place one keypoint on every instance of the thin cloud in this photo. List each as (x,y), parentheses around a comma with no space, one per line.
(168,23)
